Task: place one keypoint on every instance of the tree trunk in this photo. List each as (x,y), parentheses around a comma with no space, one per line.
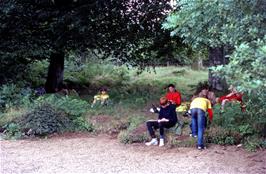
(217,57)
(55,76)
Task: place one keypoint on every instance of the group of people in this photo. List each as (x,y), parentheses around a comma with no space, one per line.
(201,103)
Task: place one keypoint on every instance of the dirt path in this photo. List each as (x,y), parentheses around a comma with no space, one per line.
(88,154)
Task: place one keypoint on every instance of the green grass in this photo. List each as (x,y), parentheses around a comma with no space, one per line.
(131,95)
(131,102)
(141,90)
(182,77)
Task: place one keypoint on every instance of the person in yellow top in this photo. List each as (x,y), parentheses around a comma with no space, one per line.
(199,106)
(183,107)
(102,97)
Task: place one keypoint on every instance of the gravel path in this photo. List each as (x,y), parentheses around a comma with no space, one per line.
(89,154)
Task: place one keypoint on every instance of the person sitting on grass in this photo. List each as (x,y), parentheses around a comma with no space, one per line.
(199,106)
(173,95)
(101,98)
(167,118)
(234,95)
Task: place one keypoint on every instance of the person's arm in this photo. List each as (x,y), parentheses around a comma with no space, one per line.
(210,112)
(163,120)
(177,98)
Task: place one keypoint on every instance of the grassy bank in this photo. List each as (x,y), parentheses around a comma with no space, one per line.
(131,95)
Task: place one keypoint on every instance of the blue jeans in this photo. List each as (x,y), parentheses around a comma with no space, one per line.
(198,124)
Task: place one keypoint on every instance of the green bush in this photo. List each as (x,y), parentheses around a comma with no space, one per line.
(12,131)
(222,136)
(234,126)
(81,124)
(246,70)
(252,143)
(44,120)
(37,73)
(73,107)
(13,96)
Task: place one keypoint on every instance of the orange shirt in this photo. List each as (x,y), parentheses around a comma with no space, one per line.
(174,96)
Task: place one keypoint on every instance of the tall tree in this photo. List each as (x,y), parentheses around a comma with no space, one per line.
(38,29)
(217,25)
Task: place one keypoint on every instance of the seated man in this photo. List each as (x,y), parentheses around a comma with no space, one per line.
(167,118)
(102,97)
(234,95)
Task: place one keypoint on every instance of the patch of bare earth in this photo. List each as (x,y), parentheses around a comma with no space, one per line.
(82,153)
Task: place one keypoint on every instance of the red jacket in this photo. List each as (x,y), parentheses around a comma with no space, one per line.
(175,97)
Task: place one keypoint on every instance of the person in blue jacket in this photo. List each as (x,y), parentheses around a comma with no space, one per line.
(167,118)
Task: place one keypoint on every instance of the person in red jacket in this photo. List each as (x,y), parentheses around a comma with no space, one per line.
(173,96)
(234,95)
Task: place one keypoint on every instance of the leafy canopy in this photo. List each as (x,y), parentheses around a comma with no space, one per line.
(32,29)
(205,23)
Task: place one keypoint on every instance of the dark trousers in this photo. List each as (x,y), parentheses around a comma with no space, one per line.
(152,125)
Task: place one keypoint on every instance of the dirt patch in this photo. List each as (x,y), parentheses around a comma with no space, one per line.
(182,137)
(82,154)
(141,129)
(101,119)
(108,124)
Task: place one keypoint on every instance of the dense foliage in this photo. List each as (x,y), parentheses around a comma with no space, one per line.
(130,31)
(44,120)
(204,23)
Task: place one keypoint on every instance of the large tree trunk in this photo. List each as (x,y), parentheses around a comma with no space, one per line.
(217,57)
(55,76)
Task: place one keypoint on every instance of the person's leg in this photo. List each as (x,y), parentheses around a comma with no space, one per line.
(201,126)
(151,125)
(163,125)
(223,104)
(194,122)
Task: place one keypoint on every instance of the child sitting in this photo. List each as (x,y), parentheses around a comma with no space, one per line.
(167,118)
(234,95)
(102,97)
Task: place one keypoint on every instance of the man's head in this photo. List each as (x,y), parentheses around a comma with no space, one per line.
(203,93)
(163,101)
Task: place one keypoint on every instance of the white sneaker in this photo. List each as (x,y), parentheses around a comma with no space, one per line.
(194,136)
(201,148)
(161,142)
(154,142)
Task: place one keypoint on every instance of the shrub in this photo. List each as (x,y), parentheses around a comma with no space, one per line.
(81,124)
(219,135)
(246,70)
(251,143)
(37,73)
(13,96)
(45,120)
(239,127)
(73,107)
(12,131)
